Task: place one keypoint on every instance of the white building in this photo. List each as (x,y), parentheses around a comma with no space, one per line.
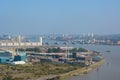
(20,43)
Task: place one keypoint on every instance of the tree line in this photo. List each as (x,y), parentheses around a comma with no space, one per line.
(54,50)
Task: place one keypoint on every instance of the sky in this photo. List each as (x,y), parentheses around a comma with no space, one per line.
(59,16)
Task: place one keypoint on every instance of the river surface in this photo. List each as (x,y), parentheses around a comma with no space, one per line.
(110,70)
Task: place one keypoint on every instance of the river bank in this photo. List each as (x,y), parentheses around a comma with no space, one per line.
(79,71)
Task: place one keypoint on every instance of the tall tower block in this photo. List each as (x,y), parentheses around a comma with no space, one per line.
(19,39)
(40,40)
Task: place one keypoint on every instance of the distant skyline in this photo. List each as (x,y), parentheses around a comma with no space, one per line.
(59,16)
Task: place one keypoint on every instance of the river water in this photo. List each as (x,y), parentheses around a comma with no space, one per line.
(110,70)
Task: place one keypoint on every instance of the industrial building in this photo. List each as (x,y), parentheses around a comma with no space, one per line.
(20,56)
(6,53)
(6,56)
(86,58)
(5,59)
(11,56)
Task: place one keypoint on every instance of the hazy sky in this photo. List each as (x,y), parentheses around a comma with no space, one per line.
(59,16)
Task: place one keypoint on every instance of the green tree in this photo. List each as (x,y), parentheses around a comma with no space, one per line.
(36,49)
(50,50)
(82,50)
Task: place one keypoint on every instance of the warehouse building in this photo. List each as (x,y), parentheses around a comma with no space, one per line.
(6,56)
